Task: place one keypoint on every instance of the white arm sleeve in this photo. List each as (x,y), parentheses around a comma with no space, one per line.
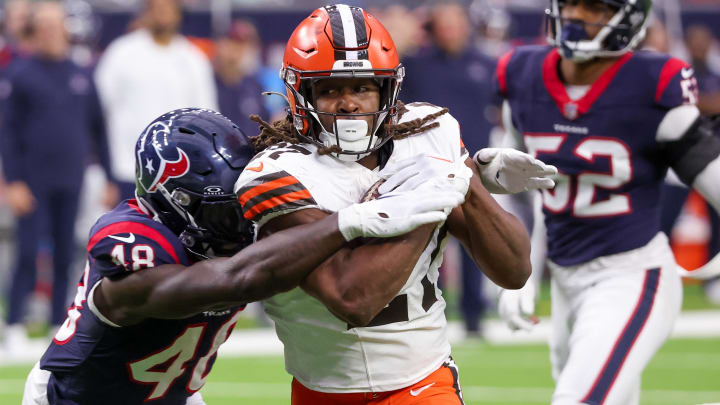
(677,122)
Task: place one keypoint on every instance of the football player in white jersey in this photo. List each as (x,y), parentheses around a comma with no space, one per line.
(369,323)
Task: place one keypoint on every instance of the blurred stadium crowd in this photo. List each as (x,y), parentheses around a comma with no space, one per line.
(80,78)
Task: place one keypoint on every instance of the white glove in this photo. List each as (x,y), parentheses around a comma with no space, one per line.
(411,173)
(398,213)
(509,171)
(516,307)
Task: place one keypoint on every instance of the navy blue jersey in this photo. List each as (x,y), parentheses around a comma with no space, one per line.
(605,145)
(158,360)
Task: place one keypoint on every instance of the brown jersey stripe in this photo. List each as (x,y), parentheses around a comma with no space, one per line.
(277,192)
(264,184)
(283,202)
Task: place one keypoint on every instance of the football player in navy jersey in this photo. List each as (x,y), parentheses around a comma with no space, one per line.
(613,121)
(150,312)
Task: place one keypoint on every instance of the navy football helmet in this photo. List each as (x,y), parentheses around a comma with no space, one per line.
(186,164)
(625,30)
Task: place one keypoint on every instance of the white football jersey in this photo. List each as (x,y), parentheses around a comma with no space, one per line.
(407,340)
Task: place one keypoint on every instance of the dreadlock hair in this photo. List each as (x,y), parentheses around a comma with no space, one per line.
(283,130)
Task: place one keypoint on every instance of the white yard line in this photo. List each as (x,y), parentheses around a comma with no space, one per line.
(263,342)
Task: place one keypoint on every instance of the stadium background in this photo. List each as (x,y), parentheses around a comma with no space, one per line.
(500,368)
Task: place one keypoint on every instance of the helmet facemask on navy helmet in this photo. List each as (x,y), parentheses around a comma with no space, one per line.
(607,28)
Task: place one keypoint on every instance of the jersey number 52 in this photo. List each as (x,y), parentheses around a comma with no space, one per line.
(582,201)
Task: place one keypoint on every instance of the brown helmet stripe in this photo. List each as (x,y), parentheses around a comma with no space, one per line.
(338,33)
(348,31)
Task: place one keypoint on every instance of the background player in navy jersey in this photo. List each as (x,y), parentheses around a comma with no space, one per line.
(150,313)
(613,121)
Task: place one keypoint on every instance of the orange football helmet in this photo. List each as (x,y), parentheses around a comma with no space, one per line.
(341,41)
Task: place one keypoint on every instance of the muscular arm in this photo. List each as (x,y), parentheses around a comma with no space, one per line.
(495,239)
(360,279)
(275,264)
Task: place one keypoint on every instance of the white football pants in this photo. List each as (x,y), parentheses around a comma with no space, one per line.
(609,317)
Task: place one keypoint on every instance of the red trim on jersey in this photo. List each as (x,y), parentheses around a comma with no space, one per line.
(136,206)
(557,90)
(502,71)
(671,68)
(137,228)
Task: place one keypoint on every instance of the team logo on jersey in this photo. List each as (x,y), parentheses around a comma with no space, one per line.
(156,164)
(570,111)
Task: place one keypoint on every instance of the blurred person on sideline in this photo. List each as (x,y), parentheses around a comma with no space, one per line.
(452,72)
(701,44)
(237,62)
(405,27)
(53,124)
(145,73)
(494,24)
(15,40)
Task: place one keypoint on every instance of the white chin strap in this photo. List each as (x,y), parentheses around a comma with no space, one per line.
(352,136)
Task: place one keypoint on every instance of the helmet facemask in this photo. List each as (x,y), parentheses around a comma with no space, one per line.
(349,137)
(622,33)
(214,223)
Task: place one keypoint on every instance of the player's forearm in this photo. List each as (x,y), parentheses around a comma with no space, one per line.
(272,265)
(496,240)
(281,261)
(356,284)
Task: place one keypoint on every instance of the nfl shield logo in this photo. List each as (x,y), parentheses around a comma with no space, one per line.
(570,111)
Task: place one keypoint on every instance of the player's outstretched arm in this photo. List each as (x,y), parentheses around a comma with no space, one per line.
(270,266)
(275,264)
(494,238)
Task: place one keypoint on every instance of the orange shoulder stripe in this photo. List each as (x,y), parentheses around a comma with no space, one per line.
(276,201)
(262,188)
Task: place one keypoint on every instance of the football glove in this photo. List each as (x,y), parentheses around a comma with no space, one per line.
(397,213)
(411,173)
(517,307)
(509,171)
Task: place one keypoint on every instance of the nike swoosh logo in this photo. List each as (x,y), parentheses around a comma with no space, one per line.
(129,239)
(421,389)
(257,168)
(687,73)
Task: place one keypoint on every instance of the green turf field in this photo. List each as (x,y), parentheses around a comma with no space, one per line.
(683,372)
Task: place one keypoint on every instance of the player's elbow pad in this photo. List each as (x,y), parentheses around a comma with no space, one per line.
(692,152)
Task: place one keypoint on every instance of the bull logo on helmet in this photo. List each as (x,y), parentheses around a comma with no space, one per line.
(157,163)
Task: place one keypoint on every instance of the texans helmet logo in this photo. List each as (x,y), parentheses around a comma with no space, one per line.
(169,169)
(158,165)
